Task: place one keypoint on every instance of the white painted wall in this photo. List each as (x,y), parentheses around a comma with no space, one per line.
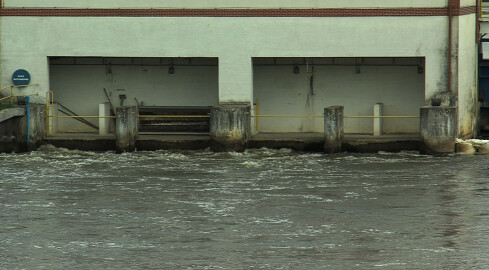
(467,75)
(223,3)
(281,92)
(27,42)
(80,88)
(465,3)
(233,40)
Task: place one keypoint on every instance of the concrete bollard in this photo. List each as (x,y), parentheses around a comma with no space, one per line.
(333,129)
(377,120)
(230,127)
(103,122)
(438,126)
(126,129)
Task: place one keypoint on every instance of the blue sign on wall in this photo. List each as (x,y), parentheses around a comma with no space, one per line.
(21,77)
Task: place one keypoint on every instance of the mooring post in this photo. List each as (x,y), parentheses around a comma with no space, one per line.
(438,127)
(126,129)
(333,129)
(104,121)
(377,119)
(230,127)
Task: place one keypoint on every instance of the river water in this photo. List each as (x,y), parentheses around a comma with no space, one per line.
(262,209)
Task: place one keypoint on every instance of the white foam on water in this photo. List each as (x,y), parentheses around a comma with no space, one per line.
(251,164)
(390,264)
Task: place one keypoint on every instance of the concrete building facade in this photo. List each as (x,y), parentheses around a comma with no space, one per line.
(293,57)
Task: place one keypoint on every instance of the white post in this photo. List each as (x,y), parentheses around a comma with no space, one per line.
(104,123)
(377,120)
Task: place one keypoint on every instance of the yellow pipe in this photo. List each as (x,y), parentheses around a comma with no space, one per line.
(363,116)
(173,116)
(7,97)
(18,86)
(36,94)
(480,8)
(288,116)
(49,106)
(80,116)
(321,116)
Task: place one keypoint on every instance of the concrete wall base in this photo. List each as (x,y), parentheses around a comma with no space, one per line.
(126,129)
(438,129)
(333,129)
(13,130)
(230,127)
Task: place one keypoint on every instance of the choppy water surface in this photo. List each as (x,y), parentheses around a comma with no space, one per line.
(262,209)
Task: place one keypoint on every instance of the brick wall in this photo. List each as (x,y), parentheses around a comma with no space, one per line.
(453,5)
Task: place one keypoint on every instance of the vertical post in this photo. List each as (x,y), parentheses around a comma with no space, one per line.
(230,127)
(103,121)
(126,129)
(257,115)
(52,118)
(333,129)
(377,119)
(438,127)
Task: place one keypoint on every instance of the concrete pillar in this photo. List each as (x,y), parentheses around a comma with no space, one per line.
(235,79)
(378,121)
(333,129)
(126,128)
(230,127)
(438,127)
(104,123)
(31,127)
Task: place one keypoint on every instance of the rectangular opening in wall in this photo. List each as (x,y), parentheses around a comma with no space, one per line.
(157,84)
(304,86)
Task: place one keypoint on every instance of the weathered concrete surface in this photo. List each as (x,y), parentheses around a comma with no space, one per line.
(37,127)
(230,127)
(333,129)
(314,142)
(126,128)
(6,114)
(438,129)
(308,142)
(82,141)
(9,131)
(13,130)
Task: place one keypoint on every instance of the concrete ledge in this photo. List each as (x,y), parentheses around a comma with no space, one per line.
(307,142)
(6,114)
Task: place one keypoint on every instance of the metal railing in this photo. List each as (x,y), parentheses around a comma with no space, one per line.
(12,96)
(173,116)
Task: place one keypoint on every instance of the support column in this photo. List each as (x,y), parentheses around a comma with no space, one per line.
(126,129)
(235,79)
(377,119)
(333,129)
(230,127)
(103,122)
(439,128)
